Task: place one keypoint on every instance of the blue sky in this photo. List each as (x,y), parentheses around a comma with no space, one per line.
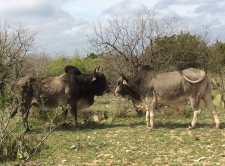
(62,26)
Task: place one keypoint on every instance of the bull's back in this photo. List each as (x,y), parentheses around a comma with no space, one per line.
(49,92)
(168,88)
(172,89)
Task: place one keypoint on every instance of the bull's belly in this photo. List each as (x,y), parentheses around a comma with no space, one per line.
(181,101)
(84,103)
(48,106)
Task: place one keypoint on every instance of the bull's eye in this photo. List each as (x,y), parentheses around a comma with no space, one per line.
(118,83)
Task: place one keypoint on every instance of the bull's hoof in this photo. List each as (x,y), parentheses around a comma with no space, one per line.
(218,126)
(149,128)
(27,131)
(76,127)
(64,125)
(190,127)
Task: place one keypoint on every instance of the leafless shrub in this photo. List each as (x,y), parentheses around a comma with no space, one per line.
(124,41)
(123,108)
(15,45)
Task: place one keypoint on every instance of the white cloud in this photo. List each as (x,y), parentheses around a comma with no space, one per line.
(164,4)
(63,25)
(211,9)
(124,8)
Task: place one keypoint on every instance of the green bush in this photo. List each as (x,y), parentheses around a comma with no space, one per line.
(4,100)
(85,65)
(19,147)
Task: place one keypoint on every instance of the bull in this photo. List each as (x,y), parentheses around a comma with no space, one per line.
(175,89)
(72,90)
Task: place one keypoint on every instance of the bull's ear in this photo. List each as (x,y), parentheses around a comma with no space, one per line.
(125,82)
(124,77)
(93,79)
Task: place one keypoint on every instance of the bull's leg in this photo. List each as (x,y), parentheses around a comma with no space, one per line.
(25,112)
(148,119)
(209,104)
(73,111)
(195,103)
(150,102)
(195,118)
(64,115)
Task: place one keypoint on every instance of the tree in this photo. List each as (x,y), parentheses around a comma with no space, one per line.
(178,52)
(14,46)
(217,61)
(123,42)
(35,64)
(217,56)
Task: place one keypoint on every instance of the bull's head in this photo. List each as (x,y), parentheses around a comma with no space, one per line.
(122,87)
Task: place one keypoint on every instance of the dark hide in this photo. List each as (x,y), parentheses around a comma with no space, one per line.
(72,90)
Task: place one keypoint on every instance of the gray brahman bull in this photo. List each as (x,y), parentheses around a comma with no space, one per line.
(149,88)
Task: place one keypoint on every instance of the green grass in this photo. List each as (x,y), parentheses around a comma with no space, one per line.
(124,140)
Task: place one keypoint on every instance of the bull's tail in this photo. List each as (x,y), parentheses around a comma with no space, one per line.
(14,113)
(16,109)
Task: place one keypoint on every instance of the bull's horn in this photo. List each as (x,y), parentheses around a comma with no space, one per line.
(98,69)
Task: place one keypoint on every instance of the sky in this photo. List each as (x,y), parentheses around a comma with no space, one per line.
(63,26)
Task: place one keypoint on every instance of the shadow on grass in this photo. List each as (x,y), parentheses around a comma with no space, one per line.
(186,125)
(95,125)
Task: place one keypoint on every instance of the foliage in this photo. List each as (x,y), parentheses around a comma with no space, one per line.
(85,65)
(19,147)
(178,52)
(123,108)
(219,53)
(219,100)
(217,61)
(14,46)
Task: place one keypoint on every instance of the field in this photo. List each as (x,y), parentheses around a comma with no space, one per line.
(122,138)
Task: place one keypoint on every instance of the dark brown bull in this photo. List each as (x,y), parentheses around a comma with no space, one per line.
(149,88)
(72,90)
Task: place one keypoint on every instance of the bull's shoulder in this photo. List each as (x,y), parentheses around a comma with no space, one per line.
(72,70)
(27,80)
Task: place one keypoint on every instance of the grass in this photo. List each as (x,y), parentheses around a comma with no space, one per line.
(122,139)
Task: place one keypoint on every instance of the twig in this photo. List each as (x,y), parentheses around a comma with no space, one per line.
(40,143)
